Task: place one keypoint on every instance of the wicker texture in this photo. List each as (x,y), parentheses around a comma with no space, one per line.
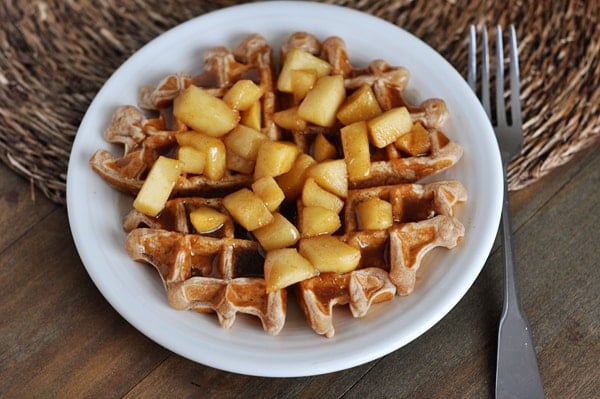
(55,56)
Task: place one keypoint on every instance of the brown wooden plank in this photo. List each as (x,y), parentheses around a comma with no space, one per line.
(60,338)
(18,211)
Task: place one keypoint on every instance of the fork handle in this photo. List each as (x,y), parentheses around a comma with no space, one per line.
(517,373)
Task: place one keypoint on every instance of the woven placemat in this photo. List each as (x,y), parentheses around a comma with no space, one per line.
(55,56)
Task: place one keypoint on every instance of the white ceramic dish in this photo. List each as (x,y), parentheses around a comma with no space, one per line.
(135,291)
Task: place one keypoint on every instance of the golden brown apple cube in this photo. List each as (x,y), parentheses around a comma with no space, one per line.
(355,145)
(280,233)
(302,81)
(247,209)
(193,159)
(298,59)
(292,182)
(213,149)
(329,254)
(332,175)
(289,119)
(316,221)
(416,142)
(242,95)
(323,149)
(275,158)
(245,141)
(374,214)
(204,112)
(322,102)
(315,195)
(157,187)
(252,117)
(269,191)
(361,105)
(238,164)
(206,219)
(387,127)
(284,267)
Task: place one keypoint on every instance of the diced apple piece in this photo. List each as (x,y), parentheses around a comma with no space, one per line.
(242,95)
(298,59)
(238,164)
(387,127)
(322,102)
(316,220)
(416,142)
(247,209)
(275,158)
(280,233)
(361,105)
(332,175)
(284,267)
(302,81)
(374,214)
(193,159)
(357,155)
(245,141)
(269,191)
(213,149)
(204,112)
(292,182)
(158,186)
(323,149)
(289,119)
(315,195)
(329,254)
(252,117)
(206,219)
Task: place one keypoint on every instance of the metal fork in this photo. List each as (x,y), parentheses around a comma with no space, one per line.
(517,373)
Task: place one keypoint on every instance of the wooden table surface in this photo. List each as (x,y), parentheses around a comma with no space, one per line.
(61,338)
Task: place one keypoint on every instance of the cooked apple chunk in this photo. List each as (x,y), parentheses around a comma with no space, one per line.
(214,151)
(193,159)
(206,219)
(238,164)
(329,254)
(332,175)
(322,102)
(316,220)
(315,195)
(269,191)
(374,214)
(280,233)
(275,158)
(204,112)
(302,81)
(252,117)
(298,59)
(247,209)
(158,186)
(357,155)
(387,127)
(289,119)
(284,267)
(416,142)
(245,141)
(323,149)
(242,95)
(361,105)
(292,182)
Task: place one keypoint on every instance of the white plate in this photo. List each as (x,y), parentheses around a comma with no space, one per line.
(135,291)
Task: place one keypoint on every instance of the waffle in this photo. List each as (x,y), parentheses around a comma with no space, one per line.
(217,272)
(388,165)
(143,140)
(390,258)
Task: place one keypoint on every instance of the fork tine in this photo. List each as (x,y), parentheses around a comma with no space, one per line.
(472,66)
(485,73)
(500,109)
(515,101)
